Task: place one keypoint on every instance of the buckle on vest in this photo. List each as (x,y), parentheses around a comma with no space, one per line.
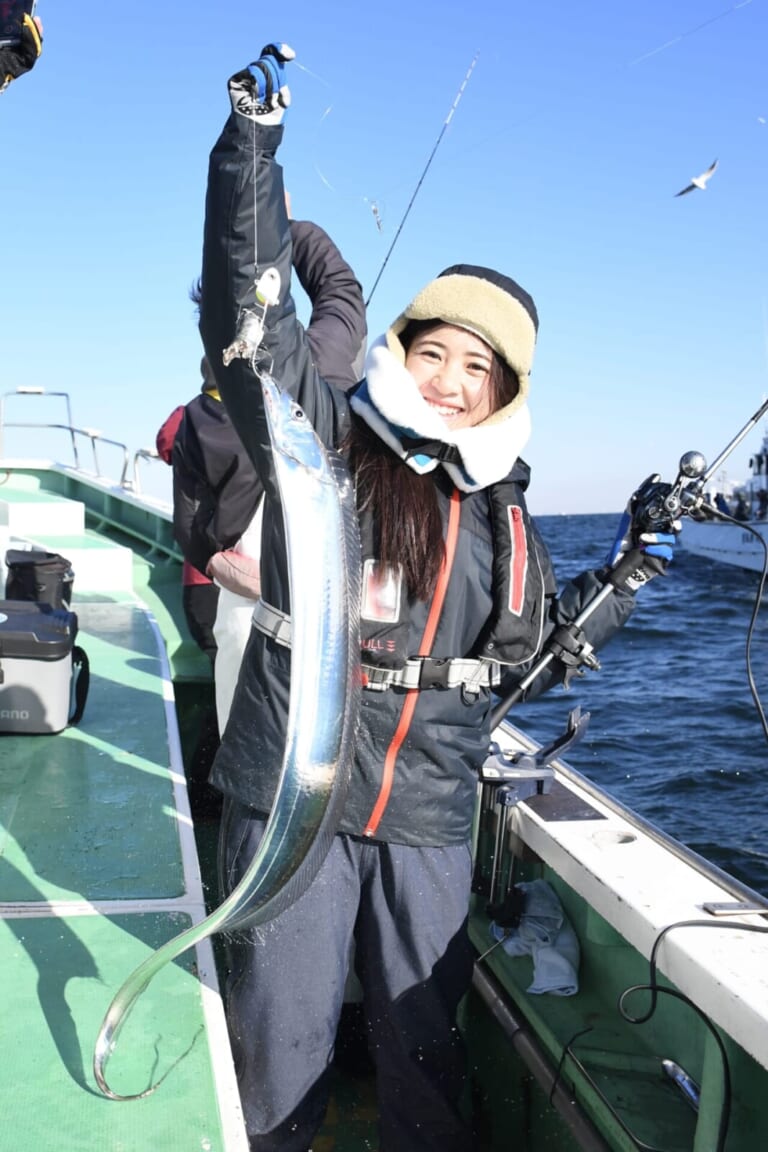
(418,672)
(434,673)
(429,672)
(377,679)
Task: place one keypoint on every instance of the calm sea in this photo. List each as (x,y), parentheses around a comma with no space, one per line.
(674,732)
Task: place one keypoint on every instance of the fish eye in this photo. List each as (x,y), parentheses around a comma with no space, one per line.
(297,413)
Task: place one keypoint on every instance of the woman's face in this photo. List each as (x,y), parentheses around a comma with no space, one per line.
(452,369)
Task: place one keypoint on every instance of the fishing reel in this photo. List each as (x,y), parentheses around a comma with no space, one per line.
(656,505)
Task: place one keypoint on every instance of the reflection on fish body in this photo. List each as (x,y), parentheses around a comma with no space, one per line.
(323,545)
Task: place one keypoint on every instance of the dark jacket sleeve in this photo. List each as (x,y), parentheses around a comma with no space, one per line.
(562,607)
(337,328)
(612,611)
(216,490)
(235,253)
(187,469)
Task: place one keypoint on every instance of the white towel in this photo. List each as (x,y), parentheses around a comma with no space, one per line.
(544,933)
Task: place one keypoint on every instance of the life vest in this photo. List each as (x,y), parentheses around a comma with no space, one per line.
(522,579)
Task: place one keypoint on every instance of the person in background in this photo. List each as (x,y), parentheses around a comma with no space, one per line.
(199,593)
(16,59)
(216,491)
(722,504)
(459,599)
(741,511)
(199,599)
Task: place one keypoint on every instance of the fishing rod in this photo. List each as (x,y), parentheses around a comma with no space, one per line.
(655,507)
(443,130)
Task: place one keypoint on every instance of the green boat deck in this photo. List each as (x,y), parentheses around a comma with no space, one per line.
(98,867)
(101,862)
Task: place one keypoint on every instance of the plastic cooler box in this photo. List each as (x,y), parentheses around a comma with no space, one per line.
(36,644)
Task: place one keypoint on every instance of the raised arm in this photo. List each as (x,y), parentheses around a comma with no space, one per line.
(337,328)
(246,232)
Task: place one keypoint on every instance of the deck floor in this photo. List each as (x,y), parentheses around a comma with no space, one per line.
(98,868)
(100,864)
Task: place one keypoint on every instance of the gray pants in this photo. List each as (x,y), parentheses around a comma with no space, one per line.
(407,910)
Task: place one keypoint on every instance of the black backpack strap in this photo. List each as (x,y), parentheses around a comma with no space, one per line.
(81,676)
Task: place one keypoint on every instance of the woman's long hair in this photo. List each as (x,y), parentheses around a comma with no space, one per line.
(407,514)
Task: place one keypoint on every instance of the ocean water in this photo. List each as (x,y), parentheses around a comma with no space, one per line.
(673,731)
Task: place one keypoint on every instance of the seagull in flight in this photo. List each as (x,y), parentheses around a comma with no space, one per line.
(699,181)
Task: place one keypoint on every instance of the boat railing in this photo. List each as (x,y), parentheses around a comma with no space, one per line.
(129,472)
(739,890)
(148,454)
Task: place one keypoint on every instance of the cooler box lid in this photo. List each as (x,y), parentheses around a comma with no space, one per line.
(32,631)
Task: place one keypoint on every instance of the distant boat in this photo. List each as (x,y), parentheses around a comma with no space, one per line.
(735,543)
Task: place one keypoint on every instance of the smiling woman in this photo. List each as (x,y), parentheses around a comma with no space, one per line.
(452,369)
(447,385)
(458,594)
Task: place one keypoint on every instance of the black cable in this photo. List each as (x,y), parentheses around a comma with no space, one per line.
(565,1052)
(717,514)
(654,988)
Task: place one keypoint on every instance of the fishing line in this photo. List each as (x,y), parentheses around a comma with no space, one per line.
(316,165)
(483,144)
(685,35)
(255,207)
(314,75)
(324,116)
(443,130)
(375,206)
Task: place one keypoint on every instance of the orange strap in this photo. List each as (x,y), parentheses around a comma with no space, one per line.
(425,647)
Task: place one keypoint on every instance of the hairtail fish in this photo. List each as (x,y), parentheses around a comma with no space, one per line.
(323,544)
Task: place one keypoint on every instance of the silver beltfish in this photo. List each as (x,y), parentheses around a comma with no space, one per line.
(323,543)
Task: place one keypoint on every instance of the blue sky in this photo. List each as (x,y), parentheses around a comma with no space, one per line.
(560,166)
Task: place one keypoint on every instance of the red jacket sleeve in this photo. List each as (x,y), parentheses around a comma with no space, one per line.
(167,434)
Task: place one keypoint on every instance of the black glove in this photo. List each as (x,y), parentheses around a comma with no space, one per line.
(16,59)
(634,569)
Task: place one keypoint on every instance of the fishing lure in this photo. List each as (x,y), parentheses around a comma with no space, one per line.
(250,327)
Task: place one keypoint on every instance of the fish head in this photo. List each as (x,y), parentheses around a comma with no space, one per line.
(290,429)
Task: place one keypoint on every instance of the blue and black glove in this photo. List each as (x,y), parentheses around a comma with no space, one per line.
(259,92)
(645,540)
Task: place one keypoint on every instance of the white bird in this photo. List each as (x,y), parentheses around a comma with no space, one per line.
(699,181)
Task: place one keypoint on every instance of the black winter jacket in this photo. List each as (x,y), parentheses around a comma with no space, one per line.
(433,791)
(215,487)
